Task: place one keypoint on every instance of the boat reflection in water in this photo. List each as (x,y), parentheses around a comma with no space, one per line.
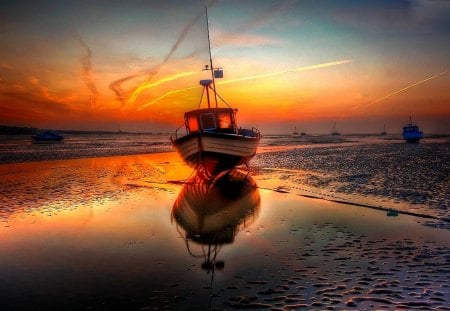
(210,213)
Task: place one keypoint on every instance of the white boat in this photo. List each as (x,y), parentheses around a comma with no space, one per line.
(210,138)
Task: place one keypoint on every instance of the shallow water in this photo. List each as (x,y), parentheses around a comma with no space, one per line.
(127,232)
(20,148)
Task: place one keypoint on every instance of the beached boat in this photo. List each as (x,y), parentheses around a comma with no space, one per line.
(411,132)
(210,138)
(47,136)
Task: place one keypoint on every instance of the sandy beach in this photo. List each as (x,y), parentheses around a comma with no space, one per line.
(314,225)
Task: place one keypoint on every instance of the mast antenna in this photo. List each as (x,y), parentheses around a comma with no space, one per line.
(210,57)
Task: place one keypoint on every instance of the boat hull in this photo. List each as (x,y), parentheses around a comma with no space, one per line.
(412,137)
(46,140)
(216,152)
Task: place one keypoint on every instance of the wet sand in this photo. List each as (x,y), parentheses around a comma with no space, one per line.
(134,232)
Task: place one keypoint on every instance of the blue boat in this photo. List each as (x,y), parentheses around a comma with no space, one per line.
(412,133)
(47,136)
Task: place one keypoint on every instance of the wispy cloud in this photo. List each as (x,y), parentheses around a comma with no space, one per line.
(240,36)
(86,70)
(242,39)
(116,85)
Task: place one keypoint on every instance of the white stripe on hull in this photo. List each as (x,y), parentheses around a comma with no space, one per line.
(188,148)
(233,147)
(240,148)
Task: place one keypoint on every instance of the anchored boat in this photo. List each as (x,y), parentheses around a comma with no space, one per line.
(46,137)
(210,139)
(411,132)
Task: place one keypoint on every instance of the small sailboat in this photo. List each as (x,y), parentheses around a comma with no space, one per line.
(411,132)
(210,139)
(384,130)
(47,136)
(334,132)
(295,133)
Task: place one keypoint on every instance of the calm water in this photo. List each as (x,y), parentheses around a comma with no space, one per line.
(143,232)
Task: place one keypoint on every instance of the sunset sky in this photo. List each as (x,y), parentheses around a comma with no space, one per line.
(101,65)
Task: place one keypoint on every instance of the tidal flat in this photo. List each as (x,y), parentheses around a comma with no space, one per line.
(353,223)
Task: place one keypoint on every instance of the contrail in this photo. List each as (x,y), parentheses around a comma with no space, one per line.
(305,68)
(299,69)
(404,89)
(142,107)
(115,86)
(148,84)
(86,70)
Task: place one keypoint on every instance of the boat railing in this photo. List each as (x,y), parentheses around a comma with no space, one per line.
(178,131)
(253,132)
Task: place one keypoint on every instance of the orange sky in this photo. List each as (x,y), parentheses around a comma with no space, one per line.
(290,63)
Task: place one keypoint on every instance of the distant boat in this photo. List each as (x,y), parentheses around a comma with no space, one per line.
(384,130)
(302,133)
(334,132)
(47,136)
(295,133)
(211,140)
(411,132)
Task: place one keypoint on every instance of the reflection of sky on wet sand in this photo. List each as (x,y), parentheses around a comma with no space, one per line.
(105,239)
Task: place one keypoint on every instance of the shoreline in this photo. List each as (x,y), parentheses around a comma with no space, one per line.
(368,174)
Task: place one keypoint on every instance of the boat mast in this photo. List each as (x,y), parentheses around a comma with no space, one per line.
(210,59)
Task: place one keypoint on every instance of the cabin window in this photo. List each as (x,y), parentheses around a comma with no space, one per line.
(208,121)
(224,120)
(193,123)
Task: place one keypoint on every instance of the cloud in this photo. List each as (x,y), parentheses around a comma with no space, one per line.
(86,69)
(116,85)
(242,39)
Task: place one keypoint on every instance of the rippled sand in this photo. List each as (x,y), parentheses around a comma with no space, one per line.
(134,232)
(391,174)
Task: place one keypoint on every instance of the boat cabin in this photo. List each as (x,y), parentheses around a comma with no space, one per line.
(411,128)
(217,120)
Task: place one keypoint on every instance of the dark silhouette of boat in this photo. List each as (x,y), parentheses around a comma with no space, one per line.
(295,133)
(210,138)
(334,132)
(47,136)
(384,130)
(411,132)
